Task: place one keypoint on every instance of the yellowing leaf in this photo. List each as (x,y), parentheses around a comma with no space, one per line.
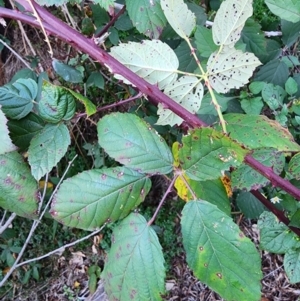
(175,150)
(230,20)
(231,69)
(227,185)
(153,60)
(182,190)
(182,20)
(188,92)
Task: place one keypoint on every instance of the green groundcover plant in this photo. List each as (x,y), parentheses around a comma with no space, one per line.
(236,140)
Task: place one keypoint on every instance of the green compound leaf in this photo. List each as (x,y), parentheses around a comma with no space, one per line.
(153,60)
(204,41)
(230,69)
(188,92)
(23,130)
(47,148)
(150,19)
(291,264)
(18,189)
(94,197)
(181,19)
(17,99)
(132,142)
(275,237)
(230,20)
(246,178)
(205,154)
(56,104)
(273,96)
(135,268)
(6,143)
(259,131)
(294,167)
(285,9)
(219,253)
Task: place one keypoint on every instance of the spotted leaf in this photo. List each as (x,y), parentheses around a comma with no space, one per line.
(219,253)
(188,92)
(230,69)
(230,20)
(134,270)
(94,197)
(182,20)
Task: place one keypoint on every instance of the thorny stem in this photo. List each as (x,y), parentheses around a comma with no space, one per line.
(150,222)
(69,35)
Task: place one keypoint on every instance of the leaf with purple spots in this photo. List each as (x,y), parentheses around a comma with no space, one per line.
(134,143)
(47,148)
(134,269)
(258,131)
(219,253)
(246,178)
(92,198)
(18,189)
(205,154)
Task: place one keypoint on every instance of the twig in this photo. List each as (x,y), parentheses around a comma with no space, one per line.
(7,223)
(61,249)
(162,201)
(16,54)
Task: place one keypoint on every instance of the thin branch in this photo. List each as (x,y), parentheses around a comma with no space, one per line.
(61,249)
(162,201)
(7,223)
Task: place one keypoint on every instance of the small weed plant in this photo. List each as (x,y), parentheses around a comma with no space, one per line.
(215,138)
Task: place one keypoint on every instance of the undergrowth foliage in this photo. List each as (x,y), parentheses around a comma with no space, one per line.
(239,160)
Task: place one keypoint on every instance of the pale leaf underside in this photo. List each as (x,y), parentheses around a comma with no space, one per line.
(231,69)
(188,92)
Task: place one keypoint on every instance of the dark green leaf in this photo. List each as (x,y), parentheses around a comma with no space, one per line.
(273,96)
(219,253)
(23,130)
(246,178)
(275,72)
(275,236)
(290,32)
(94,197)
(150,20)
(47,148)
(199,13)
(206,154)
(291,86)
(56,104)
(123,23)
(250,205)
(256,87)
(17,98)
(254,38)
(259,131)
(18,189)
(204,41)
(24,74)
(68,73)
(186,61)
(295,219)
(252,105)
(132,142)
(208,108)
(135,269)
(95,79)
(291,264)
